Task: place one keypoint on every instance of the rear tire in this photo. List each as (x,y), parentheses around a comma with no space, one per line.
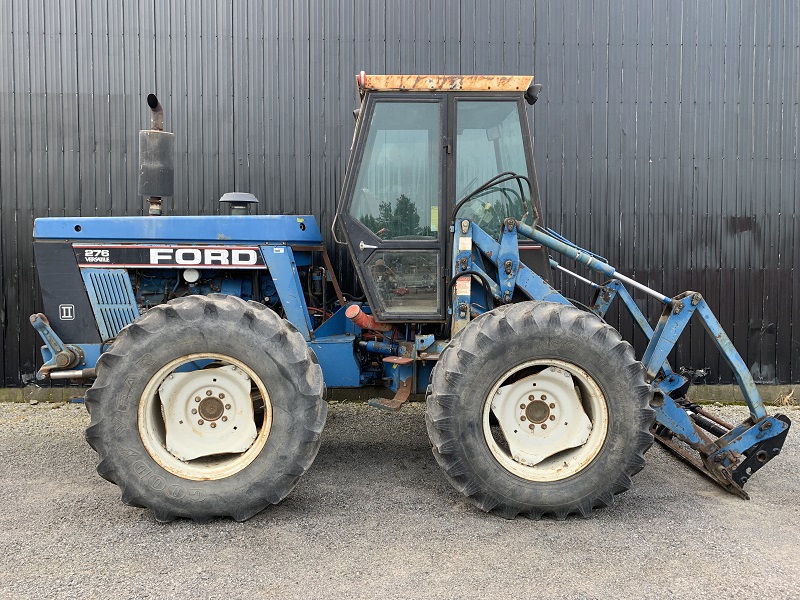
(199,371)
(484,394)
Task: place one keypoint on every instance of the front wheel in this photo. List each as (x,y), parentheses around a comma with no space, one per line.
(206,407)
(539,408)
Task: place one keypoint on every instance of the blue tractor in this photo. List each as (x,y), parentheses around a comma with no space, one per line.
(211,340)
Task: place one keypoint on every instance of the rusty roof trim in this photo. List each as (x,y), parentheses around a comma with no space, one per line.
(443,83)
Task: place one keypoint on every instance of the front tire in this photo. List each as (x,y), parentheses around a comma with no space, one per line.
(539,408)
(206,407)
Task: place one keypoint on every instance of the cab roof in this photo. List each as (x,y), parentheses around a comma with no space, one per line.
(443,83)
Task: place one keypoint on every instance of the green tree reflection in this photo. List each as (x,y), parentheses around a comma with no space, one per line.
(397,220)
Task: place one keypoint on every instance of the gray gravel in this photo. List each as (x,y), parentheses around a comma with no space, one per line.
(375,518)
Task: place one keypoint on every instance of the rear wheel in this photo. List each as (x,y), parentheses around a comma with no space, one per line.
(206,407)
(539,408)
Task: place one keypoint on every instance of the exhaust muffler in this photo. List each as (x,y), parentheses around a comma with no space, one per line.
(156,158)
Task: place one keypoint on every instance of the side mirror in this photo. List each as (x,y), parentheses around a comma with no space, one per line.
(532,93)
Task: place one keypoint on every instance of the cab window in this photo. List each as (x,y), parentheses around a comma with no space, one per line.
(489,142)
(397,190)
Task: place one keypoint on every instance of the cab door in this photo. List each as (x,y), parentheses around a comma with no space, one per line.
(392,211)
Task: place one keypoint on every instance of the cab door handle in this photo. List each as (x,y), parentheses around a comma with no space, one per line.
(362,246)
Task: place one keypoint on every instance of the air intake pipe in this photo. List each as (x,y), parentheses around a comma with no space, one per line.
(156,158)
(365,321)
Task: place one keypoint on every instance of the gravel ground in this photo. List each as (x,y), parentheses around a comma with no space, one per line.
(375,518)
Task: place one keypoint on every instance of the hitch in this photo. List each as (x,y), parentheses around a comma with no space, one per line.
(63,356)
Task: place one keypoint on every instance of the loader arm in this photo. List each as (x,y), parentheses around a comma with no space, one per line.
(727,454)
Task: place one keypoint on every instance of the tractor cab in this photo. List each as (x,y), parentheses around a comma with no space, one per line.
(423,149)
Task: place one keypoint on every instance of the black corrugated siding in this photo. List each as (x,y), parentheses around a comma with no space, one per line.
(666,137)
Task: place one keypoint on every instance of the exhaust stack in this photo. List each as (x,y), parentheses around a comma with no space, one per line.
(156,158)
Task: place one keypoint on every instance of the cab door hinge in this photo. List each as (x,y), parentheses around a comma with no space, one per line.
(448,145)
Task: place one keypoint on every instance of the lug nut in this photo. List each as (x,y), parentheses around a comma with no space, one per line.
(208,392)
(552,405)
(224,418)
(221,396)
(197,398)
(227,407)
(522,418)
(544,425)
(194,411)
(200,421)
(522,406)
(544,397)
(531,426)
(530,397)
(213,425)
(552,417)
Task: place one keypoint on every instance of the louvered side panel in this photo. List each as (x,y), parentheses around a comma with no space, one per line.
(112,299)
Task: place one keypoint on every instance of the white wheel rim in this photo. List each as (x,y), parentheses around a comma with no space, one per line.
(566,462)
(152,427)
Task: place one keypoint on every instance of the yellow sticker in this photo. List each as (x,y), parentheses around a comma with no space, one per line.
(434,218)
(300,219)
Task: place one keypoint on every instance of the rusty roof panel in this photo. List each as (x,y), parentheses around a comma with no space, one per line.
(444,83)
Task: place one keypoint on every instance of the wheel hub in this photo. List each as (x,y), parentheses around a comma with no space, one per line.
(537,411)
(541,415)
(211,408)
(207,412)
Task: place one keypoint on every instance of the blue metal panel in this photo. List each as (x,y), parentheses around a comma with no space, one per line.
(424,370)
(283,270)
(674,417)
(397,375)
(462,294)
(528,281)
(337,324)
(508,255)
(537,288)
(746,434)
(337,359)
(112,299)
(255,229)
